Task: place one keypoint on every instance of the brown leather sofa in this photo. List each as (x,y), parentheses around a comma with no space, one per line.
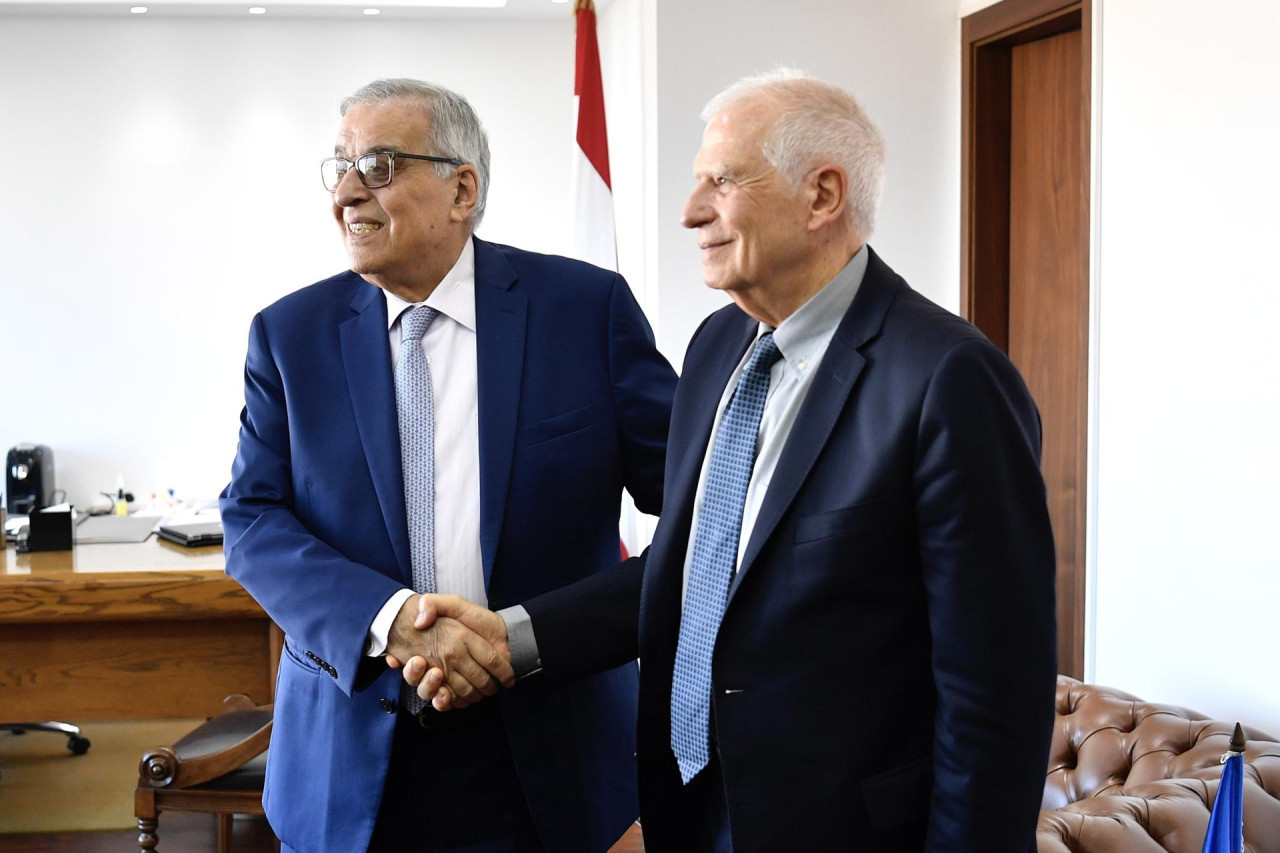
(1127,776)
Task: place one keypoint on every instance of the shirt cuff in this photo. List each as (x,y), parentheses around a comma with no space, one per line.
(521,641)
(376,643)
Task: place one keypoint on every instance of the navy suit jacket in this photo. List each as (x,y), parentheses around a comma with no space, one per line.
(883,679)
(574,403)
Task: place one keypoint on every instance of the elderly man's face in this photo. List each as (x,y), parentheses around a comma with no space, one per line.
(749,220)
(401,235)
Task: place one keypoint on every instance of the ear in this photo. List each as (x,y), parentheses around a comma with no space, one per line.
(828,192)
(465,192)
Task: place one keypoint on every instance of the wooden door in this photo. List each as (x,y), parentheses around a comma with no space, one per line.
(1026,246)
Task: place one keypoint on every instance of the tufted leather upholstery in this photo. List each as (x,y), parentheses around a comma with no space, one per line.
(1127,776)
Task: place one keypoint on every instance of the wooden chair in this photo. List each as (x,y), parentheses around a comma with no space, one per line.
(632,841)
(217,768)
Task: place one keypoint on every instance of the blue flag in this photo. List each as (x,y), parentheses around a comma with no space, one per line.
(1226,821)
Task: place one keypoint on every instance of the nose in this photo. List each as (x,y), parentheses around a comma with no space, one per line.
(697,211)
(351,190)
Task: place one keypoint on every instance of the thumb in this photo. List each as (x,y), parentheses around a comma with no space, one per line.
(427,613)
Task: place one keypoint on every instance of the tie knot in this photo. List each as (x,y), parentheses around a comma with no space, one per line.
(765,355)
(414,322)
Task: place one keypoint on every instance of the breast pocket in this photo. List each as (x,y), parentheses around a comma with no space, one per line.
(846,521)
(560,426)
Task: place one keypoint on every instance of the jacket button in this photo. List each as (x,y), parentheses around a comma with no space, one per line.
(387,705)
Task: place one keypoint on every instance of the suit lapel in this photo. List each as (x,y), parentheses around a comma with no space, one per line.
(367,360)
(826,399)
(500,331)
(697,398)
(704,398)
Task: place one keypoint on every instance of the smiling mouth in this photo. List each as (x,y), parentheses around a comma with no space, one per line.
(363,227)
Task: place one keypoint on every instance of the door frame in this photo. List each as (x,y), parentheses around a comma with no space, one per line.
(988,37)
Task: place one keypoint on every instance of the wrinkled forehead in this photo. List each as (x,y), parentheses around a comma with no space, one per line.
(392,125)
(735,135)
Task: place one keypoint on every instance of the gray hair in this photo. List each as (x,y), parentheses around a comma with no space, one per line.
(818,121)
(455,129)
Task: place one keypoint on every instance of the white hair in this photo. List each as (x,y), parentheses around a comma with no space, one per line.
(455,129)
(817,122)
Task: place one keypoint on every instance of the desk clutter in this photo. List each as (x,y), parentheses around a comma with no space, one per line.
(48,529)
(114,528)
(60,527)
(41,520)
(30,518)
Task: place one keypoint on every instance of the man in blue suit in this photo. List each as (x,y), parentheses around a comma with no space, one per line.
(846,620)
(486,459)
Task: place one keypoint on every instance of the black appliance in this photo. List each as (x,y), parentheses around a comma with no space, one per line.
(28,478)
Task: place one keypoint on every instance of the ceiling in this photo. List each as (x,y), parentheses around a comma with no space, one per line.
(388,9)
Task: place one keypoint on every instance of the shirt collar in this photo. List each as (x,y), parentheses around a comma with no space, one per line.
(454,297)
(803,337)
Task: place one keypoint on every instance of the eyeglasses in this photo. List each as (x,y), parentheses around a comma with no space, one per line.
(375,169)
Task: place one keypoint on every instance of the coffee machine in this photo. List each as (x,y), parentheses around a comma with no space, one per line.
(28,478)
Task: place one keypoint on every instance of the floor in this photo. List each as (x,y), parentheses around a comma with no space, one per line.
(179,833)
(46,792)
(190,833)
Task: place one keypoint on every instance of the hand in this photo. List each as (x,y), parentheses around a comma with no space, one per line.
(456,651)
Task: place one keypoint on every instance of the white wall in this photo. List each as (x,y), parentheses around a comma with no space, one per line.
(136,292)
(628,60)
(900,59)
(162,184)
(1187,565)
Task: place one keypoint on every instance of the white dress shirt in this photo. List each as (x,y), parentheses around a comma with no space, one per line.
(802,339)
(450,348)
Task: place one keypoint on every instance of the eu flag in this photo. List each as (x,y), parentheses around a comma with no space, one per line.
(1226,821)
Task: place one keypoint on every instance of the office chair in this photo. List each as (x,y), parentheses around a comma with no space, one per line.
(76,741)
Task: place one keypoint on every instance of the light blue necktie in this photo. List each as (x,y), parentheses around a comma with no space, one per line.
(416,412)
(715,553)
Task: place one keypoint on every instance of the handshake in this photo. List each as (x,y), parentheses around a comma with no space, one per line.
(452,650)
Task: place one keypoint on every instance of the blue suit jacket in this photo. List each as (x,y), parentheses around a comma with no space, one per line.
(883,679)
(574,402)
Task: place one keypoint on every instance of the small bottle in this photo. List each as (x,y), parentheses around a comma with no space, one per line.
(122,503)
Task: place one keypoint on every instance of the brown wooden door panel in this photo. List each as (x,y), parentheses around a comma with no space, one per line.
(1047,219)
(1025,253)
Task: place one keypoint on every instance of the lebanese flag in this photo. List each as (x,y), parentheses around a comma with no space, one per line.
(594,239)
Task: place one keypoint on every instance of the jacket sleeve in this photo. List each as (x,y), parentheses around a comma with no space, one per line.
(643,387)
(589,626)
(988,563)
(323,601)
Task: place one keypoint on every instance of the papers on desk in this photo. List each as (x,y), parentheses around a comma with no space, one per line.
(98,529)
(13,525)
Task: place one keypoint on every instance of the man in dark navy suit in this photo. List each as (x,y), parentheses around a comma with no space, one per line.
(846,621)
(450,416)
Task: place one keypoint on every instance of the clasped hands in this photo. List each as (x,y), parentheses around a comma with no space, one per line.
(453,651)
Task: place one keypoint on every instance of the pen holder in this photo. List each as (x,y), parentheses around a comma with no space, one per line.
(48,530)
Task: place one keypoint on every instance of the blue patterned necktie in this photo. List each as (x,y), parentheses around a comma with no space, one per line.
(416,412)
(715,553)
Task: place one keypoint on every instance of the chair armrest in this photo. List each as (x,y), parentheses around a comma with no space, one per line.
(215,748)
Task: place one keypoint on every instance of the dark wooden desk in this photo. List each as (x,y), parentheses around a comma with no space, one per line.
(128,631)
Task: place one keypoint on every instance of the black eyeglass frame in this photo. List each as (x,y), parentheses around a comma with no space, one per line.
(391,166)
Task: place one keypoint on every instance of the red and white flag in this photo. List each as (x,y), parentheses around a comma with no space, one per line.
(594,239)
(594,236)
